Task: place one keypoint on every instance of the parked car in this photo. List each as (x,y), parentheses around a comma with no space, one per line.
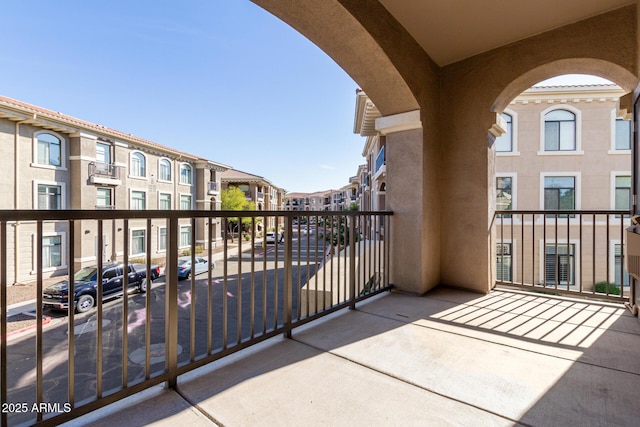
(273,237)
(86,285)
(155,270)
(307,230)
(201,265)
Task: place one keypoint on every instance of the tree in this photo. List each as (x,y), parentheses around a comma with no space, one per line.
(234,199)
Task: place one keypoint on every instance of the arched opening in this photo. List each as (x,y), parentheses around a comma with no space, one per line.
(565,150)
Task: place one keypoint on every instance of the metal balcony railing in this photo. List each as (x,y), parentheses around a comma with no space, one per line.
(104,170)
(257,290)
(575,252)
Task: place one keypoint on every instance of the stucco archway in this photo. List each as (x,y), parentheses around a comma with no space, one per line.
(605,69)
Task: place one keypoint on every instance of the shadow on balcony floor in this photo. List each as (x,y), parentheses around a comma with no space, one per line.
(448,358)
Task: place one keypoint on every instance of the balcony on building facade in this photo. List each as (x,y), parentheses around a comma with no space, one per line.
(104,173)
(213,188)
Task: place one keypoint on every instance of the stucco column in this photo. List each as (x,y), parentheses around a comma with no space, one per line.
(414,235)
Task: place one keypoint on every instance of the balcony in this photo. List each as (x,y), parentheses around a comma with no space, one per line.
(213,188)
(238,351)
(448,358)
(104,173)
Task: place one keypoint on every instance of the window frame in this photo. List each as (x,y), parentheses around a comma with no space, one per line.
(165,193)
(162,240)
(542,151)
(63,251)
(169,165)
(574,257)
(186,166)
(110,191)
(614,132)
(131,240)
(614,188)
(514,186)
(514,135)
(137,190)
(63,152)
(135,154)
(36,194)
(190,201)
(180,236)
(577,187)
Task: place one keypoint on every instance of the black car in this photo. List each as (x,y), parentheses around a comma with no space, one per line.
(86,286)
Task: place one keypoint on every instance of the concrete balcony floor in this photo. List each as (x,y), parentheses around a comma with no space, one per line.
(448,358)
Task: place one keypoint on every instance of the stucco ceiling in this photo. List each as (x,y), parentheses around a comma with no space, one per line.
(452,30)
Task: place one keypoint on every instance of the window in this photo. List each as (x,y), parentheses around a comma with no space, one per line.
(560,131)
(185,202)
(138,200)
(49,150)
(103,198)
(162,238)
(103,153)
(138,165)
(164,202)
(503,193)
(185,174)
(619,271)
(622,193)
(51,251)
(559,264)
(49,196)
(623,134)
(138,242)
(504,142)
(185,236)
(504,268)
(559,193)
(164,170)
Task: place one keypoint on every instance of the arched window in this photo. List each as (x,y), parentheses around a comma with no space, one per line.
(164,170)
(138,165)
(49,150)
(185,174)
(504,143)
(560,131)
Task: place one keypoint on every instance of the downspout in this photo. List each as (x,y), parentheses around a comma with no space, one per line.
(16,181)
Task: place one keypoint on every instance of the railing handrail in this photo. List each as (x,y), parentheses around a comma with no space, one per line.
(330,268)
(564,212)
(77,214)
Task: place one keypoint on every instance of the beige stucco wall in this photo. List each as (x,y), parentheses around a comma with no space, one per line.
(455,171)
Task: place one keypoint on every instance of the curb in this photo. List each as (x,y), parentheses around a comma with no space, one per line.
(12,334)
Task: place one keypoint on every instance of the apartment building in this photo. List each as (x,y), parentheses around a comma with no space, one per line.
(372,175)
(565,148)
(53,161)
(257,189)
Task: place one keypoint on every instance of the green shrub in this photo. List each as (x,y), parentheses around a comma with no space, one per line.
(601,288)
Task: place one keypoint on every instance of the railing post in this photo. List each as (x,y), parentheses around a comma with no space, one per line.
(171,303)
(352,261)
(288,274)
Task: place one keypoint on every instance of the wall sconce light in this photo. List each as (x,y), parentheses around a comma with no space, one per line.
(119,229)
(87,231)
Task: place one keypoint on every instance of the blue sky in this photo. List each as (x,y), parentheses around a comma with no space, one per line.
(221,79)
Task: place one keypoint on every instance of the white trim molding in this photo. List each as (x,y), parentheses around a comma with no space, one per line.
(399,122)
